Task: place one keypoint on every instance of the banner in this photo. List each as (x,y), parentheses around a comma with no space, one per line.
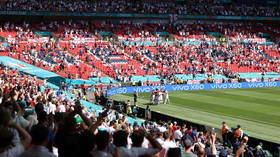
(189,87)
(26,68)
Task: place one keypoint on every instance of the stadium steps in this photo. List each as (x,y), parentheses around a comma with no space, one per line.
(99,66)
(137,64)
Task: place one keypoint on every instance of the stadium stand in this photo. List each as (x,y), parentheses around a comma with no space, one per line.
(191,7)
(74,124)
(138,50)
(44,119)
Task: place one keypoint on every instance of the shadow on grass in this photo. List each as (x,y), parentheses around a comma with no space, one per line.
(150,104)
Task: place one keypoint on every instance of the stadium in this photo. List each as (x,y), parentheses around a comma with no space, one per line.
(139,78)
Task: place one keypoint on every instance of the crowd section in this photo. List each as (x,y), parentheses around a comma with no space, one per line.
(190,7)
(38,121)
(78,49)
(24,44)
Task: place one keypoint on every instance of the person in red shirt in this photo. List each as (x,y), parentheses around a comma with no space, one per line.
(190,131)
(32,103)
(148,83)
(175,126)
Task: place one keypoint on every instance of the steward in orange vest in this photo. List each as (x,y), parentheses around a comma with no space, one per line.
(238,132)
(225,133)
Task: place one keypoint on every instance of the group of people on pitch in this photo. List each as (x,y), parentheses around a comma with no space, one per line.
(160,97)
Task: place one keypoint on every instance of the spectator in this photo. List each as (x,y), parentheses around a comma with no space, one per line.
(136,150)
(238,133)
(11,144)
(75,139)
(39,134)
(225,132)
(178,134)
(174,152)
(242,147)
(102,143)
(187,149)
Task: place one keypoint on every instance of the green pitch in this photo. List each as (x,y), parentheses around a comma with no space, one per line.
(257,110)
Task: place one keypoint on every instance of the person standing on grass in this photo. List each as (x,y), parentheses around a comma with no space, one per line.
(135,95)
(153,97)
(225,131)
(166,95)
(160,98)
(157,97)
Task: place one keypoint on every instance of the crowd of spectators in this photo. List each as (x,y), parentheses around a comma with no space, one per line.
(242,52)
(44,52)
(38,121)
(81,52)
(191,7)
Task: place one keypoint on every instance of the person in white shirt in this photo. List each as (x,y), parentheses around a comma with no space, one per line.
(167,143)
(61,108)
(20,120)
(40,140)
(51,108)
(111,128)
(166,100)
(178,134)
(120,141)
(160,138)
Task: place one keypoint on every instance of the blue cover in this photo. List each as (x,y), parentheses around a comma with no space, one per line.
(26,68)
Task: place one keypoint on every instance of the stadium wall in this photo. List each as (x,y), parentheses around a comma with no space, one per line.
(126,15)
(146,18)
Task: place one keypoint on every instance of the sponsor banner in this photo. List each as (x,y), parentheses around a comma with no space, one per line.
(189,87)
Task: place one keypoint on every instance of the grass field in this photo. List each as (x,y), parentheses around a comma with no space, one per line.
(257,110)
